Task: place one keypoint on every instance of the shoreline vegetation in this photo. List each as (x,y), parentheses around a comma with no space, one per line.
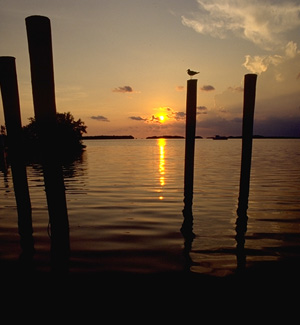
(66,138)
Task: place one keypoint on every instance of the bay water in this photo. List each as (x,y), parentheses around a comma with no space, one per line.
(125,202)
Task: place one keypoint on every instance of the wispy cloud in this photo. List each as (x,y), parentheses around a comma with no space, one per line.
(137,118)
(100,118)
(124,89)
(264,23)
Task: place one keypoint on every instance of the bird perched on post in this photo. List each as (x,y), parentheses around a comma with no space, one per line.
(192,73)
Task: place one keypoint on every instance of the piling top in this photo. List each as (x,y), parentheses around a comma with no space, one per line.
(251,75)
(6,64)
(192,84)
(37,18)
(7,58)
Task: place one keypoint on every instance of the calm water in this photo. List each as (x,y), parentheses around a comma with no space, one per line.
(125,201)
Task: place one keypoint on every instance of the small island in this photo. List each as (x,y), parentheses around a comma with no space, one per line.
(107,137)
(166,137)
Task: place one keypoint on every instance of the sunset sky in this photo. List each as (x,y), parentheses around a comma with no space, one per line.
(120,65)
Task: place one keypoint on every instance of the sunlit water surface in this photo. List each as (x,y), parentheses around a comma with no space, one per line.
(125,201)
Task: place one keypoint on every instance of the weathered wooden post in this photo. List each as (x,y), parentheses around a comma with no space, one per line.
(12,115)
(42,78)
(191,103)
(247,134)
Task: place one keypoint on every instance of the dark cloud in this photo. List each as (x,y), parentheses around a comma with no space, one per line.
(207,88)
(125,89)
(272,126)
(154,118)
(179,115)
(100,118)
(288,126)
(201,110)
(219,125)
(137,118)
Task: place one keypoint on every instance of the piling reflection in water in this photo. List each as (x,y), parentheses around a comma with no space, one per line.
(241,229)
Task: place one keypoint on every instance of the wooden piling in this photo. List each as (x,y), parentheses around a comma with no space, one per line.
(43,89)
(190,131)
(191,103)
(247,134)
(12,116)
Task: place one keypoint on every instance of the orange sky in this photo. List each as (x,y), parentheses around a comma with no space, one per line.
(120,65)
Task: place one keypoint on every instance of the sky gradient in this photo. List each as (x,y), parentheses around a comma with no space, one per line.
(120,65)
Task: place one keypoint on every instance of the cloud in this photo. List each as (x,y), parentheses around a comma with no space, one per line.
(207,88)
(264,23)
(169,114)
(220,125)
(288,126)
(291,49)
(137,118)
(100,118)
(178,115)
(125,89)
(259,64)
(201,110)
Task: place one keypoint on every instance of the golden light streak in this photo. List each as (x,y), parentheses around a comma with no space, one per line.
(161,144)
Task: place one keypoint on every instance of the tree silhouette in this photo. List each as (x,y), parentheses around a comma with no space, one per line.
(69,135)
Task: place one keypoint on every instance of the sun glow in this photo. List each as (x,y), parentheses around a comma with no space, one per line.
(162,118)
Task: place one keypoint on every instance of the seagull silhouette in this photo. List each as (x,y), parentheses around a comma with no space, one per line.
(192,73)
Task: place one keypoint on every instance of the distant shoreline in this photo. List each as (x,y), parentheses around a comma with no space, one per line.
(166,137)
(130,137)
(107,137)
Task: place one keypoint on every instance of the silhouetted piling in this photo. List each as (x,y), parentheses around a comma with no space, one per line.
(242,219)
(42,77)
(191,103)
(12,115)
(247,133)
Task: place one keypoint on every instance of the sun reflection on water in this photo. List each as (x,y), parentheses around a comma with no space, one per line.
(161,144)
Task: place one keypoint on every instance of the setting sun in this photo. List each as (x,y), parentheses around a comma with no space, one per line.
(162,118)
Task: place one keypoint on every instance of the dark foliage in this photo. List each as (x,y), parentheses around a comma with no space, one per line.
(69,137)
